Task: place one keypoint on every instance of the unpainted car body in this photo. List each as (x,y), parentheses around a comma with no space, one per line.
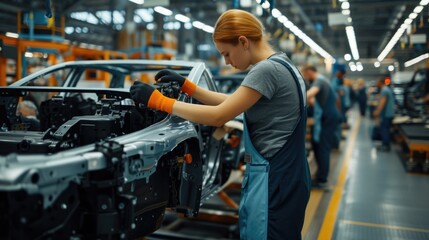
(98,165)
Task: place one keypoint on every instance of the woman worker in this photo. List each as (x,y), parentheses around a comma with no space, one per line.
(276,184)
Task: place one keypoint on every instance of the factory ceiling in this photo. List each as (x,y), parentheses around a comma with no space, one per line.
(374,22)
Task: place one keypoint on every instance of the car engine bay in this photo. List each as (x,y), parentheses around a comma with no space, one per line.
(71,121)
(86,185)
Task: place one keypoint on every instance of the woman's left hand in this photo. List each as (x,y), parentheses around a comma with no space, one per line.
(150,97)
(141,92)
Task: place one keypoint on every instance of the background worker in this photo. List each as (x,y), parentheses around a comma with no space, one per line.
(324,140)
(362,97)
(276,184)
(384,113)
(343,93)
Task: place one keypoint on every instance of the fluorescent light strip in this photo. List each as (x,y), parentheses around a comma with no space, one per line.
(182,18)
(401,30)
(352,42)
(163,11)
(300,34)
(265,5)
(424,2)
(137,1)
(345,5)
(276,13)
(418,9)
(12,35)
(282,19)
(208,29)
(416,60)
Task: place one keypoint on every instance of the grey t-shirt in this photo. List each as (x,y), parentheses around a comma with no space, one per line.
(324,88)
(272,119)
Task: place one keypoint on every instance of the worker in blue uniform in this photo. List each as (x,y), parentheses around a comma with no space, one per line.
(343,93)
(384,113)
(276,183)
(325,123)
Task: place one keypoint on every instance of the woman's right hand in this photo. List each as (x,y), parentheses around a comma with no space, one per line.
(168,75)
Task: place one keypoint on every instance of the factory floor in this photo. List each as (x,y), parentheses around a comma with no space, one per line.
(371,196)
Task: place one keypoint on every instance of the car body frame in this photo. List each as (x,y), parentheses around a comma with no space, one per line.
(104,167)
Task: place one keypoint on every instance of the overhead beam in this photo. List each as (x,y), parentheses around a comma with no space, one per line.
(100,28)
(357,4)
(71,7)
(309,24)
(11,8)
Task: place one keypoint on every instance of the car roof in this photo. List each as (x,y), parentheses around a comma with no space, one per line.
(124,66)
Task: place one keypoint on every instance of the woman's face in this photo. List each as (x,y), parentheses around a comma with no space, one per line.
(235,55)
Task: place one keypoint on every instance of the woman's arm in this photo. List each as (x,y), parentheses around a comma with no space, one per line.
(202,95)
(228,108)
(208,97)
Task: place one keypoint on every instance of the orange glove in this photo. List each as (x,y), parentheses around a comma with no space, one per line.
(152,98)
(167,75)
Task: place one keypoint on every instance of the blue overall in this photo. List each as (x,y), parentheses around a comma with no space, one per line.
(324,140)
(275,192)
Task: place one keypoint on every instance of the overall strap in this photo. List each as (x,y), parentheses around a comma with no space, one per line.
(297,77)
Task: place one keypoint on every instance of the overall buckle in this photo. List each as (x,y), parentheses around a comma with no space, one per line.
(247,158)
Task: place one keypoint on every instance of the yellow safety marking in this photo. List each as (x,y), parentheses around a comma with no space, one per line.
(376,225)
(313,203)
(331,214)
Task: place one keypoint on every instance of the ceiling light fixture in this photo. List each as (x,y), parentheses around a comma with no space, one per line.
(182,18)
(306,39)
(395,38)
(282,19)
(359,66)
(266,5)
(416,60)
(276,13)
(377,64)
(352,42)
(418,9)
(208,29)
(12,35)
(345,12)
(198,24)
(413,15)
(391,68)
(347,57)
(137,1)
(288,24)
(345,5)
(163,11)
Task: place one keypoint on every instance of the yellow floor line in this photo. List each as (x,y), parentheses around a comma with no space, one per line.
(331,214)
(376,225)
(313,203)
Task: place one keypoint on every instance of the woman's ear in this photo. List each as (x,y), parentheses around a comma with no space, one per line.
(242,40)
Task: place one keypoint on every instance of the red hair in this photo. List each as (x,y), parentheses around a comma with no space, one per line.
(235,23)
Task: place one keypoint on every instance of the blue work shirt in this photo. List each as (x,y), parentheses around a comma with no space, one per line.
(389,109)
